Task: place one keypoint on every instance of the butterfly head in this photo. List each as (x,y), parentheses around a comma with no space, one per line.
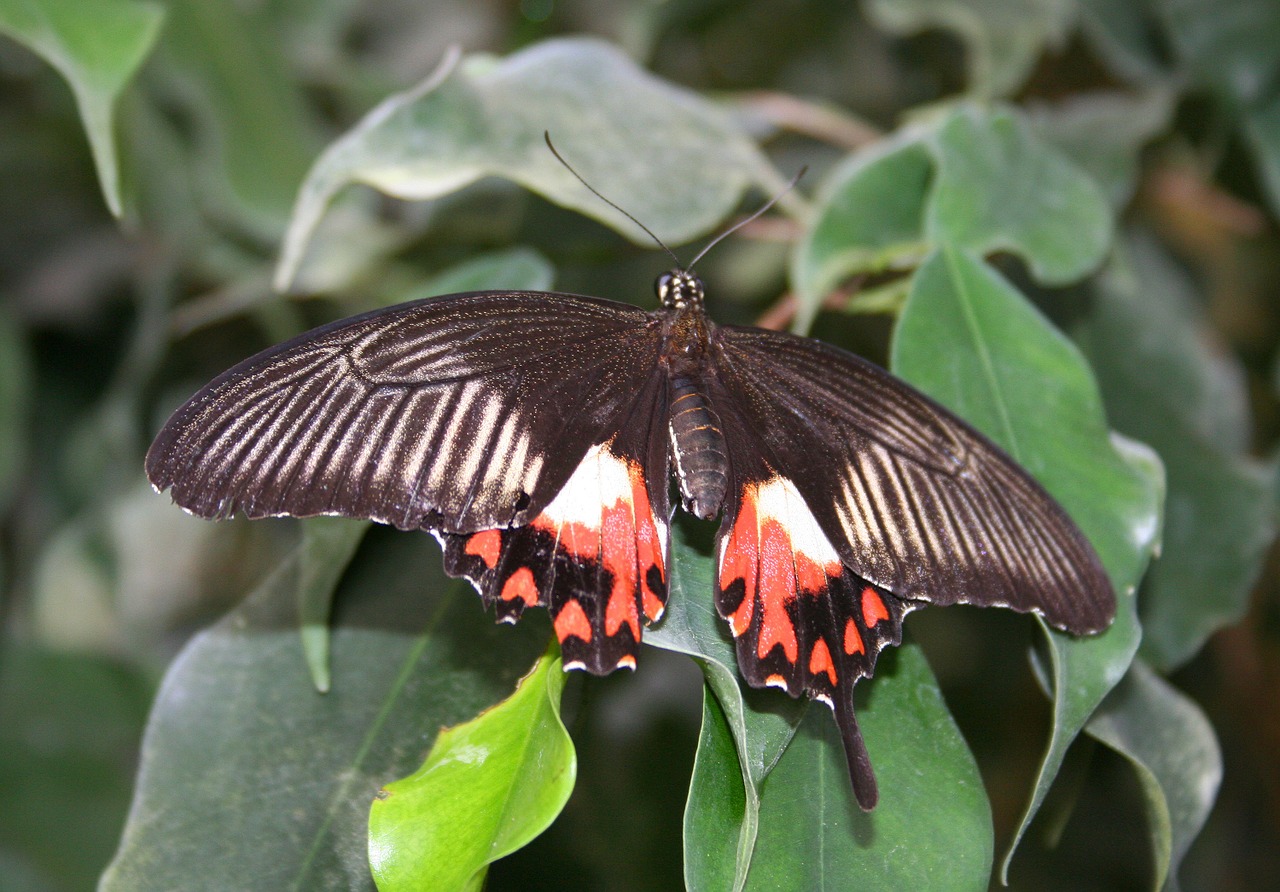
(679,289)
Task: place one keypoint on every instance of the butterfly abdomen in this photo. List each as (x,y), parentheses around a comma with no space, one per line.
(697,442)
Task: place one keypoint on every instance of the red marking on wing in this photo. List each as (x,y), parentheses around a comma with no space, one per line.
(853,639)
(777,589)
(820,661)
(486,545)
(572,622)
(626,543)
(873,609)
(742,561)
(648,544)
(521,585)
(776,681)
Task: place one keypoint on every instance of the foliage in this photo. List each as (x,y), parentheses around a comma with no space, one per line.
(1058,218)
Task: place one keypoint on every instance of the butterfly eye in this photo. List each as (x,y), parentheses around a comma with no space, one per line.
(663,287)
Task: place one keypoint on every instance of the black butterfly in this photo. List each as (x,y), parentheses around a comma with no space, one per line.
(534,434)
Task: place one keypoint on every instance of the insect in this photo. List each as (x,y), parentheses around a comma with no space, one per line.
(536,433)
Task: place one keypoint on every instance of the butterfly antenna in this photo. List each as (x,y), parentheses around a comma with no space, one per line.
(546,134)
(732,229)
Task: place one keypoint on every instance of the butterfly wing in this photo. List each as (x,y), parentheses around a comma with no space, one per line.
(516,425)
(853,499)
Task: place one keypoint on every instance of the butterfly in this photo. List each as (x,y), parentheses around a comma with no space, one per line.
(536,435)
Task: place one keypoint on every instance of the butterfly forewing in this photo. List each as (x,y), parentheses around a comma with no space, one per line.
(915,500)
(456,414)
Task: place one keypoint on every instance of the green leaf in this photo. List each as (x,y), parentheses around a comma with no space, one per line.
(1164,383)
(486,117)
(1262,129)
(978,178)
(236,81)
(720,822)
(970,340)
(71,723)
(1000,188)
(487,788)
(1122,35)
(15,399)
(870,218)
(1228,46)
(761,723)
(97,48)
(252,780)
(1104,134)
(933,820)
(515,269)
(328,544)
(1003,38)
(1175,753)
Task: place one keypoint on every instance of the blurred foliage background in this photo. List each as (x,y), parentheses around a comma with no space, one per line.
(150,160)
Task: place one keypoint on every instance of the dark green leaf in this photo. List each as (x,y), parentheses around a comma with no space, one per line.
(97,48)
(933,821)
(1262,129)
(328,544)
(15,397)
(70,723)
(1175,753)
(487,788)
(970,340)
(252,780)
(1165,384)
(761,722)
(719,821)
(1003,38)
(486,117)
(1226,45)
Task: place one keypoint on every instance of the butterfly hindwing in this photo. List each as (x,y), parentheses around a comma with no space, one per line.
(596,555)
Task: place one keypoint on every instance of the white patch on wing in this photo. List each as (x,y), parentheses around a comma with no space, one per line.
(600,480)
(778,498)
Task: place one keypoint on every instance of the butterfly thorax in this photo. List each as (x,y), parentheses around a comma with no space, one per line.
(697,436)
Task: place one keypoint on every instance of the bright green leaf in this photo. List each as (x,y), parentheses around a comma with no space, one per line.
(486,117)
(1165,384)
(970,340)
(487,787)
(1176,755)
(1003,38)
(97,47)
(252,780)
(932,822)
(1000,188)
